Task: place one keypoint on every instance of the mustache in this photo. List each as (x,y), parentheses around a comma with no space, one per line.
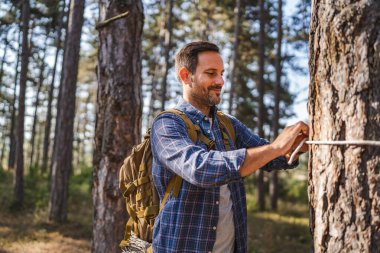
(215,87)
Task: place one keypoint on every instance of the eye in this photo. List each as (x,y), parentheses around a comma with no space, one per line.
(211,73)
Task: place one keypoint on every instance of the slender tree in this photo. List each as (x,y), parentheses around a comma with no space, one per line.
(58,44)
(12,134)
(118,122)
(62,159)
(344,104)
(261,91)
(41,79)
(167,47)
(273,186)
(18,190)
(234,54)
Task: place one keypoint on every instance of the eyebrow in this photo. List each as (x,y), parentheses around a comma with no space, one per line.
(212,69)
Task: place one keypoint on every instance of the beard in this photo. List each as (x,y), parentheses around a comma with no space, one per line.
(214,99)
(207,97)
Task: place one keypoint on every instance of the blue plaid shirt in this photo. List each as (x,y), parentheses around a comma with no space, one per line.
(187,223)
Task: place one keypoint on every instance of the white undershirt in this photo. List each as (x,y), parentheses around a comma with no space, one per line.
(225,230)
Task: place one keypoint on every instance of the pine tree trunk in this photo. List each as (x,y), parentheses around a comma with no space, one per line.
(167,47)
(37,103)
(6,42)
(344,104)
(118,122)
(12,134)
(46,146)
(18,190)
(273,186)
(234,55)
(261,91)
(66,29)
(62,160)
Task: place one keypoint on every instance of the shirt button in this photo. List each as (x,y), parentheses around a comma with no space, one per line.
(217,202)
(214,228)
(197,120)
(208,131)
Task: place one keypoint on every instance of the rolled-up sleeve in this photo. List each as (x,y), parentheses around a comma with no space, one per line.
(245,138)
(174,150)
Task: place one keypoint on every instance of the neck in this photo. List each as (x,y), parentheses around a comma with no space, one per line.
(205,109)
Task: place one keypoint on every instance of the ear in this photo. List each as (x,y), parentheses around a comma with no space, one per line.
(185,75)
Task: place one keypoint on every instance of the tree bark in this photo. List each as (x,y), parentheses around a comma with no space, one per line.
(344,104)
(261,91)
(118,122)
(18,190)
(62,160)
(273,184)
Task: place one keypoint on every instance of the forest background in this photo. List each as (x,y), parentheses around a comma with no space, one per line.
(264,46)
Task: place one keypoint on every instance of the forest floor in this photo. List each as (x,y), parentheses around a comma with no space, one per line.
(29,231)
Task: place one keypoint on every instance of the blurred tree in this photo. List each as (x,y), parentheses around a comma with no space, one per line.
(39,82)
(344,104)
(18,190)
(62,159)
(261,105)
(118,122)
(168,34)
(234,54)
(60,29)
(273,187)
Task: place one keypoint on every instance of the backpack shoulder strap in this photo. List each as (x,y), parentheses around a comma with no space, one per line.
(226,124)
(193,130)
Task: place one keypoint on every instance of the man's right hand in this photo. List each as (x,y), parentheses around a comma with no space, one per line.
(290,138)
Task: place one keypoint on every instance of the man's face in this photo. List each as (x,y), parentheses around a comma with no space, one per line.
(206,83)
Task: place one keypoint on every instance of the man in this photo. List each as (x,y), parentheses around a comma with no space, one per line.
(209,214)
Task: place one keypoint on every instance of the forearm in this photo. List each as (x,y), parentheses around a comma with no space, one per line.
(258,157)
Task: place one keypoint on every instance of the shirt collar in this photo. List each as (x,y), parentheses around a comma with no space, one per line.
(191,111)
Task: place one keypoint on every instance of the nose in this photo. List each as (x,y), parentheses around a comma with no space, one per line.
(220,80)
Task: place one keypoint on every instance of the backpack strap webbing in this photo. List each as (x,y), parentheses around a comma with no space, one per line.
(227,129)
(194,133)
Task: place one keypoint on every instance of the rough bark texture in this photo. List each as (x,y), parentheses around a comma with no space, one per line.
(118,121)
(18,182)
(62,159)
(344,181)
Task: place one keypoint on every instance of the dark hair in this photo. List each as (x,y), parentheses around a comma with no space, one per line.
(188,55)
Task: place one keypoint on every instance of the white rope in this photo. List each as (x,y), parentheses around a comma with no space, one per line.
(354,142)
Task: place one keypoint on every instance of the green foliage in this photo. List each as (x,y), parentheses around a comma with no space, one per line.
(294,190)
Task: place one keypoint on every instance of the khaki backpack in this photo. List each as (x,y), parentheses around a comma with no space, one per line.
(136,180)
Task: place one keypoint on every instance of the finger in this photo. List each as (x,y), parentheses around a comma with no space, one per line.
(304,148)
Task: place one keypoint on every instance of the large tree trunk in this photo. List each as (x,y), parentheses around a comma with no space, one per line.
(273,184)
(261,91)
(18,182)
(344,181)
(118,122)
(62,160)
